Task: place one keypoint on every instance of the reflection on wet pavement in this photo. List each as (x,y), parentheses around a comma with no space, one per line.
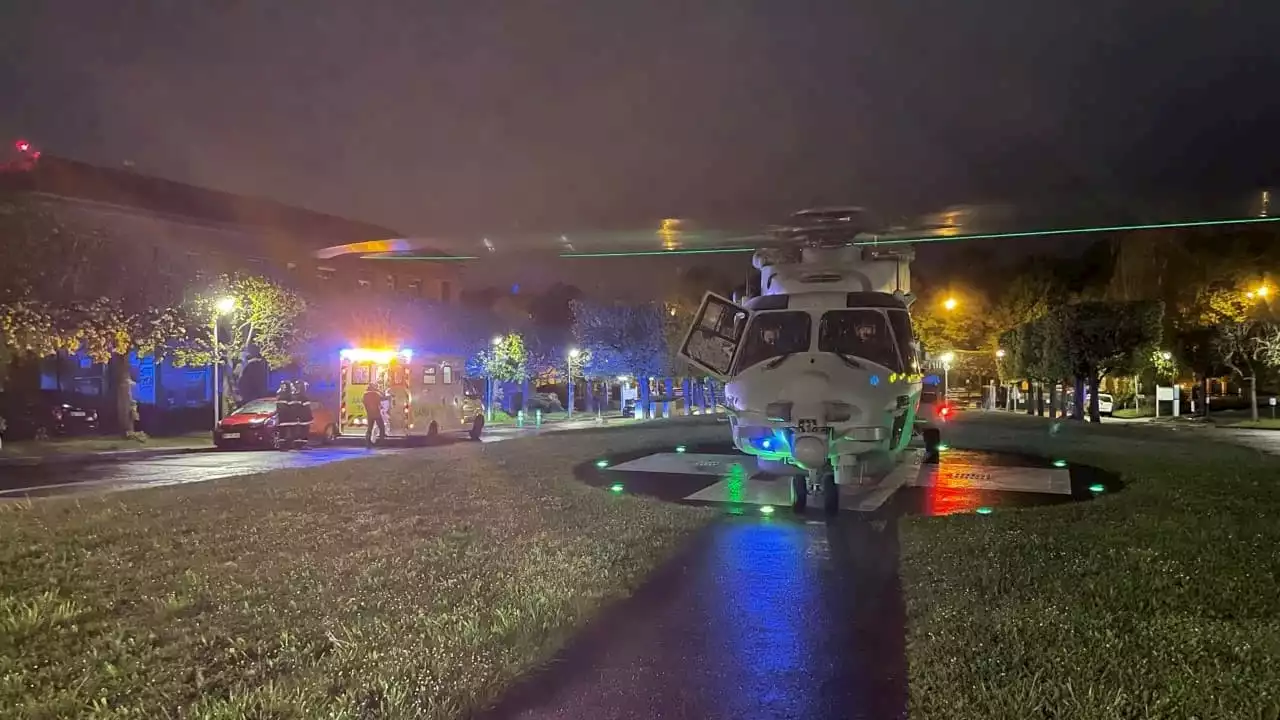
(763,618)
(41,481)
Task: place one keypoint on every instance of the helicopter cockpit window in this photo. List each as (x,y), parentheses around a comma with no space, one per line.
(773,334)
(900,320)
(860,334)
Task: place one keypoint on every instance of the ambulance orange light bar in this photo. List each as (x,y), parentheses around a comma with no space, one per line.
(374,355)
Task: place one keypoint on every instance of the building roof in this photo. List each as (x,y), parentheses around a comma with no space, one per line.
(80,181)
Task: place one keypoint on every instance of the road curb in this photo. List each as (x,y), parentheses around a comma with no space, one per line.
(87,458)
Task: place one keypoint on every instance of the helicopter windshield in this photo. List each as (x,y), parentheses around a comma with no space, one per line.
(773,334)
(862,334)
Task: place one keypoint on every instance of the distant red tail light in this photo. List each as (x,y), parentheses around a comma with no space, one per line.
(944,411)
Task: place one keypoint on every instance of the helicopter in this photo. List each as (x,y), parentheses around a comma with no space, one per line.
(822,372)
(823,375)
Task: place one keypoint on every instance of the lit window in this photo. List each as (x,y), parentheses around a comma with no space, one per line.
(391,283)
(447,373)
(429,376)
(415,287)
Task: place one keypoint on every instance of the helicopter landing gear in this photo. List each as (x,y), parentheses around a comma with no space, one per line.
(932,439)
(830,492)
(799,493)
(820,482)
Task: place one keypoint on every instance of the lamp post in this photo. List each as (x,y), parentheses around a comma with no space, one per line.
(573,355)
(946,370)
(949,304)
(489,384)
(223,306)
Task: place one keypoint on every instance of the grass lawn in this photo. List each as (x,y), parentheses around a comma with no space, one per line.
(407,586)
(1132,413)
(1159,601)
(100,443)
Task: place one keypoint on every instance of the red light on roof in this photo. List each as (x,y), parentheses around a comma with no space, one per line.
(23,146)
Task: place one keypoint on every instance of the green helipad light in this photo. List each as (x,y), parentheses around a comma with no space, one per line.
(1059,463)
(1097,488)
(680,448)
(602,463)
(616,487)
(984,510)
(766,510)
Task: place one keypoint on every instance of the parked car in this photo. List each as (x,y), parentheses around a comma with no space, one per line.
(1105,403)
(46,414)
(254,425)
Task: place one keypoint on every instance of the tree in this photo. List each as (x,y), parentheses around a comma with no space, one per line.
(506,360)
(265,314)
(621,339)
(1101,337)
(1242,346)
(98,294)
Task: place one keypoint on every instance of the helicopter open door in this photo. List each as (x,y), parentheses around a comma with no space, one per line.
(713,339)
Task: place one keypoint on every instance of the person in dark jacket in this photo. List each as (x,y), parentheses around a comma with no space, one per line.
(284,416)
(373,398)
(303,415)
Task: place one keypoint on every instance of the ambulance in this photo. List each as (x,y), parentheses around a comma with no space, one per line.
(427,392)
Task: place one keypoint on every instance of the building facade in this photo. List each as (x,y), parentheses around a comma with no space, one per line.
(183,234)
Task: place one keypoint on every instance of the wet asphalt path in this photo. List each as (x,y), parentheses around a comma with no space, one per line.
(38,481)
(760,618)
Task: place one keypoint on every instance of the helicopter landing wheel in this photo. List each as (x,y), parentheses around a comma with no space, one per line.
(799,493)
(932,439)
(830,492)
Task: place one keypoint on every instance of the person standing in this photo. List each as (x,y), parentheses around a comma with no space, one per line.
(373,399)
(284,416)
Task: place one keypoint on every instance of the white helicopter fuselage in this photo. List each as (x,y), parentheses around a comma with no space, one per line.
(824,371)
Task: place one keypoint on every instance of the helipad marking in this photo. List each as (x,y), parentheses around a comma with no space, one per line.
(749,491)
(689,464)
(1049,481)
(906,470)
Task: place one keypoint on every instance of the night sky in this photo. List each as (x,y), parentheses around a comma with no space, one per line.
(479,115)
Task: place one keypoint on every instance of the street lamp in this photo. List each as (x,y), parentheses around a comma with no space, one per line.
(949,303)
(573,355)
(222,306)
(946,359)
(490,385)
(1000,353)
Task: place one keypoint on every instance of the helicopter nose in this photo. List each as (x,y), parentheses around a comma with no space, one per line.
(810,451)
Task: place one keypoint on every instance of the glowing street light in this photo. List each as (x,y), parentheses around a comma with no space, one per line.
(949,304)
(573,355)
(1166,355)
(491,386)
(1000,353)
(1263,291)
(946,359)
(222,306)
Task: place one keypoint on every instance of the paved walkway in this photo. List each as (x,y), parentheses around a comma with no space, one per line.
(761,619)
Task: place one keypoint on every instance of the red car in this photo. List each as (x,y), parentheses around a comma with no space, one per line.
(254,425)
